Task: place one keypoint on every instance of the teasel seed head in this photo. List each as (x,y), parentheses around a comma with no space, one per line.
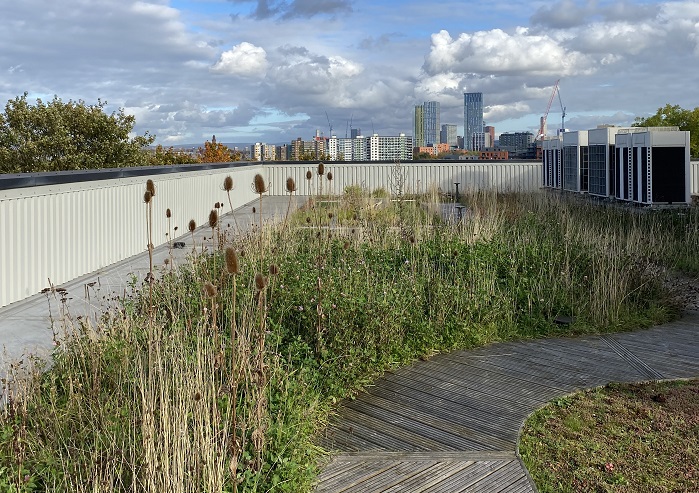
(308,219)
(150,186)
(232,265)
(192,225)
(309,175)
(168,213)
(330,176)
(290,185)
(213,218)
(321,169)
(346,245)
(210,290)
(330,215)
(147,196)
(254,210)
(228,184)
(411,239)
(274,269)
(260,282)
(259,184)
(217,205)
(242,253)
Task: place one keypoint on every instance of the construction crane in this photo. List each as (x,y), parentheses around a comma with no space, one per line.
(330,125)
(542,129)
(563,112)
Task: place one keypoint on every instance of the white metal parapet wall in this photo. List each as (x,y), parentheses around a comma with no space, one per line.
(418,176)
(63,231)
(694,180)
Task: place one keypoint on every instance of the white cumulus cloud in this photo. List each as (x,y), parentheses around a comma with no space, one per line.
(244,60)
(497,52)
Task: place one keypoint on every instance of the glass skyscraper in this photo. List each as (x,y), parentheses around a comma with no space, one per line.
(473,117)
(426,124)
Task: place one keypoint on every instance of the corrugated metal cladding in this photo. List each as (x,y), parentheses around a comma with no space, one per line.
(503,176)
(61,232)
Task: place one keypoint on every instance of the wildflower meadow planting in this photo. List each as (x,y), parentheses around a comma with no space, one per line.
(219,374)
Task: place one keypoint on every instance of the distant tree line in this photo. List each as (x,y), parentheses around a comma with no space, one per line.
(59,136)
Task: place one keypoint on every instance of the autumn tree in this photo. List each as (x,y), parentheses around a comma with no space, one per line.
(675,116)
(168,156)
(58,136)
(215,152)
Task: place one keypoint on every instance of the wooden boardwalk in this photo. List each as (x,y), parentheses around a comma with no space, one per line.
(451,424)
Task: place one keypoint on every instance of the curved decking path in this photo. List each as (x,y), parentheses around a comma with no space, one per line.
(451,424)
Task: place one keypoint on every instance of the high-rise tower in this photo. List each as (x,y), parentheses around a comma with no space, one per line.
(426,124)
(419,127)
(473,117)
(432,128)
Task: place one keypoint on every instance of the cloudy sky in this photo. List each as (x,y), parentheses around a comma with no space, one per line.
(269,70)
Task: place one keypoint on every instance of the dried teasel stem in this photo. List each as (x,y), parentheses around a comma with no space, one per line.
(213,222)
(228,187)
(233,269)
(321,172)
(291,188)
(211,291)
(192,226)
(168,215)
(259,187)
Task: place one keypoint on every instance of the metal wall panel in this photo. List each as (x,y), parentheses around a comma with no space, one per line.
(61,232)
(694,173)
(503,176)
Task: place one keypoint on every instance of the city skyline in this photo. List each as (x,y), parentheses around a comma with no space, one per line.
(271,70)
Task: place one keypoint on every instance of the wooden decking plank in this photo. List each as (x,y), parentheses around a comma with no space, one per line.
(388,477)
(522,485)
(382,428)
(458,366)
(355,476)
(498,479)
(603,363)
(431,476)
(407,421)
(511,389)
(519,368)
(682,351)
(563,380)
(464,398)
(462,423)
(490,421)
(469,438)
(337,438)
(429,455)
(456,381)
(466,477)
(339,472)
(373,431)
(475,400)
